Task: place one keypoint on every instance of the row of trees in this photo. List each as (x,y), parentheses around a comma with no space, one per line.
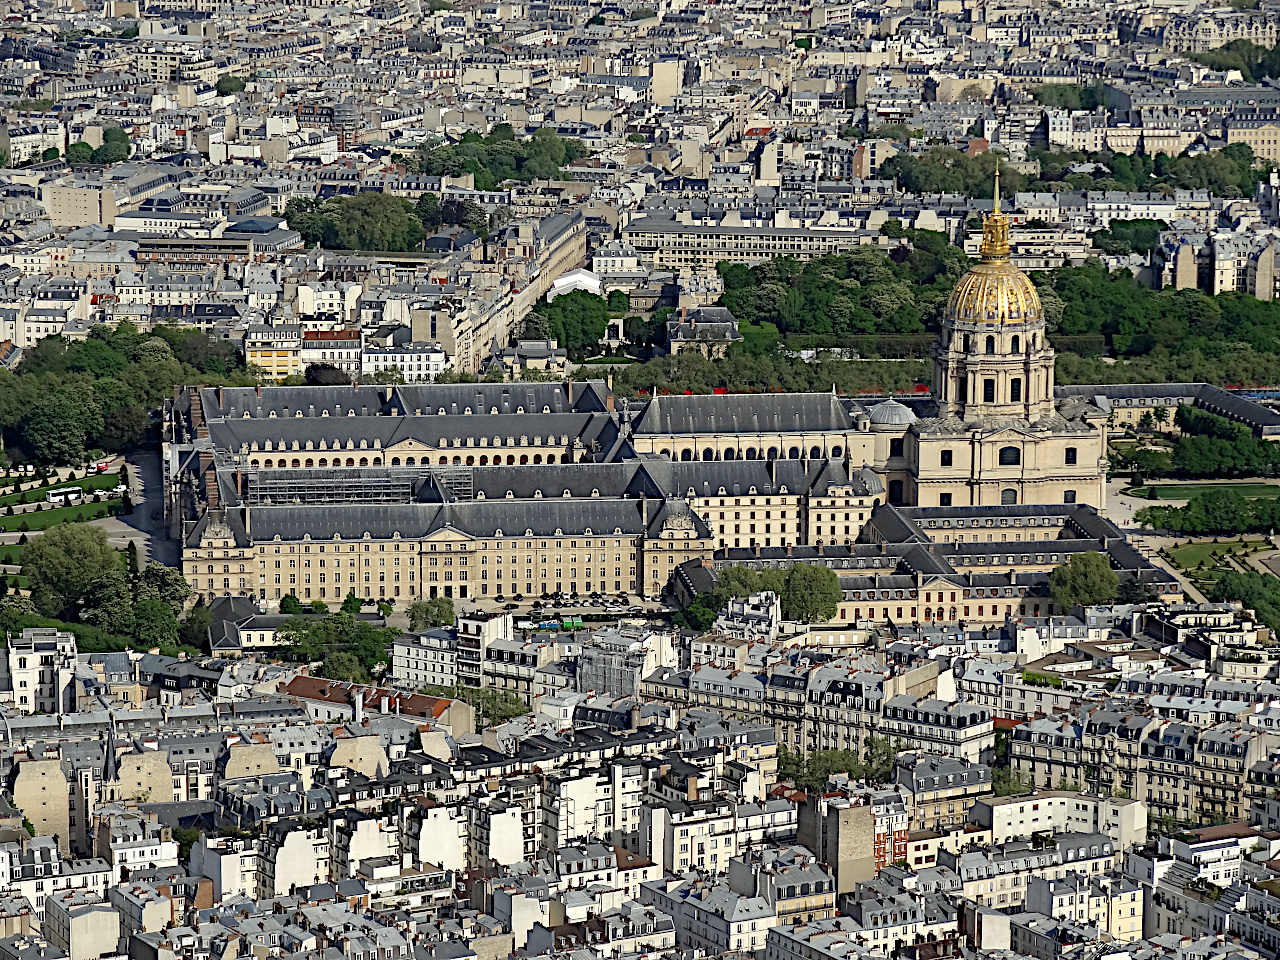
(498,157)
(69,397)
(380,222)
(1229,172)
(1087,300)
(808,594)
(1214,512)
(1210,446)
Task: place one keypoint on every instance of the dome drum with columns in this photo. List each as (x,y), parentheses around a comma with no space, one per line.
(992,358)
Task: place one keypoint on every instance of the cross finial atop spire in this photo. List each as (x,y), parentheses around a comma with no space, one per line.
(995,208)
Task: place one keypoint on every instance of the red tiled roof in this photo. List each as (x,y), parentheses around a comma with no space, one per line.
(337,692)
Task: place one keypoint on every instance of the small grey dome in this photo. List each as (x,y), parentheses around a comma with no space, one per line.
(891,413)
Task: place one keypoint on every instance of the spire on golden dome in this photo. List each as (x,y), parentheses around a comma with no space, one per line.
(995,230)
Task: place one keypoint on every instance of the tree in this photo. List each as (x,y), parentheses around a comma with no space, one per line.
(340,665)
(290,605)
(115,146)
(49,154)
(166,584)
(79,153)
(325,375)
(228,84)
(577,320)
(63,566)
(427,613)
(1085,579)
(109,603)
(56,428)
(194,629)
(427,210)
(351,604)
(154,623)
(812,594)
(13,609)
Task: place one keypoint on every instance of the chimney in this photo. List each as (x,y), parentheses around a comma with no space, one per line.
(219,399)
(357,707)
(608,403)
(258,389)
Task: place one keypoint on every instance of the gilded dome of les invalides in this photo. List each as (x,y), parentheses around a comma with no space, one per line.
(994,290)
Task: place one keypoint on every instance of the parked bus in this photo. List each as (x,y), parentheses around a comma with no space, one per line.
(65,495)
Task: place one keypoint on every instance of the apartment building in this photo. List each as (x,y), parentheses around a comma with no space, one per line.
(998,876)
(960,731)
(942,788)
(1111,904)
(1180,770)
(41,671)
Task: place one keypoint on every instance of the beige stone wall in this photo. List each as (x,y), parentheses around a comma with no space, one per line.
(42,794)
(145,777)
(364,755)
(250,760)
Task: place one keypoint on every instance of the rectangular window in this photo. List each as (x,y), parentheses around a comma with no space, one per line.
(1071,456)
(945,458)
(988,391)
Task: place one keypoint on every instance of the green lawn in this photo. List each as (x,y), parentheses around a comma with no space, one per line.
(59,515)
(99,481)
(1193,554)
(11,553)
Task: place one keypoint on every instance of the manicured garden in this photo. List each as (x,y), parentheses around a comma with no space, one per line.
(90,484)
(1206,562)
(44,519)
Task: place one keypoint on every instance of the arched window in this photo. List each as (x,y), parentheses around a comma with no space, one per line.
(708,454)
(730,453)
(686,454)
(1010,456)
(1008,497)
(991,345)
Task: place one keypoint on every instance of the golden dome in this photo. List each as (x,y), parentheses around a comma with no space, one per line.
(994,290)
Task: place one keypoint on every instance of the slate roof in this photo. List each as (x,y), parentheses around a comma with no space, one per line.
(743,413)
